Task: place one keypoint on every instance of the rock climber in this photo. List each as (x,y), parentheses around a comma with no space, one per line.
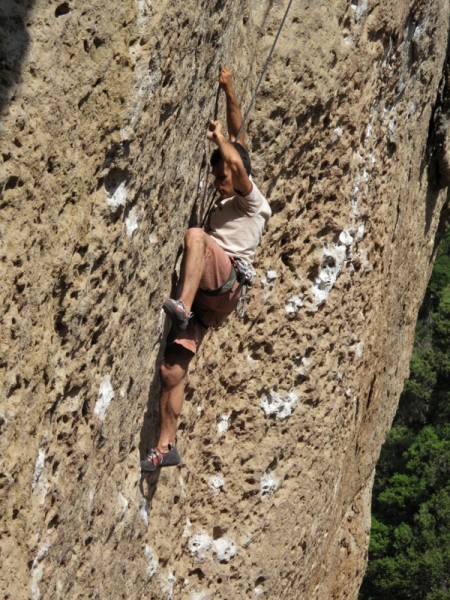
(216,265)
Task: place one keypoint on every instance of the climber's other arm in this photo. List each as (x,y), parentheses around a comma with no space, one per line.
(241,181)
(234,113)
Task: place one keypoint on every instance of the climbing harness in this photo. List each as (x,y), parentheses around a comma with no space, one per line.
(225,287)
(240,272)
(244,274)
(246,277)
(241,307)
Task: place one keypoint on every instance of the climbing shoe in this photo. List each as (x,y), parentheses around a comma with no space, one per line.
(157,459)
(177,311)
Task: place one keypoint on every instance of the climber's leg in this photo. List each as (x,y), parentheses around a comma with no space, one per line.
(193,266)
(173,373)
(191,274)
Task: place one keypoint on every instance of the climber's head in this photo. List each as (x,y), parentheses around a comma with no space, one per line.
(223,180)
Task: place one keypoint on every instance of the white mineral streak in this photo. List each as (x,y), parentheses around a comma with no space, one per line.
(147,77)
(348,41)
(355,196)
(118,197)
(268,279)
(306,362)
(269,484)
(391,129)
(293,304)
(337,484)
(123,503)
(222,424)
(37,570)
(168,583)
(105,395)
(131,223)
(182,487)
(143,511)
(360,232)
(161,322)
(333,258)
(419,29)
(359,8)
(359,349)
(346,238)
(281,407)
(302,370)
(187,531)
(39,484)
(152,561)
(140,10)
(199,595)
(224,549)
(200,546)
(363,257)
(216,483)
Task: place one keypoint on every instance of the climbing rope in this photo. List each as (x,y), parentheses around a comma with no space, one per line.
(203,180)
(208,171)
(263,72)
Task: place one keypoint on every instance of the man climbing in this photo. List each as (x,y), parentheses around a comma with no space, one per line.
(217,264)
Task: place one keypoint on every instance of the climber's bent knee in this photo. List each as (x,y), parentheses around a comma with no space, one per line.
(175,366)
(195,235)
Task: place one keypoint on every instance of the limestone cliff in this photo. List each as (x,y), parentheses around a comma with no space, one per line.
(104,111)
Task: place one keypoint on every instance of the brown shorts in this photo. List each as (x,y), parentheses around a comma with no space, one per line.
(212,310)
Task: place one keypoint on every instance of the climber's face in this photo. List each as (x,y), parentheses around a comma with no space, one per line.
(223,181)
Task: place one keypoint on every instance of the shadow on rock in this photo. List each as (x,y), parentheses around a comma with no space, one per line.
(151,424)
(14,40)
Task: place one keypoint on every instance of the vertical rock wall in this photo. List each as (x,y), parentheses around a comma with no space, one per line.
(104,109)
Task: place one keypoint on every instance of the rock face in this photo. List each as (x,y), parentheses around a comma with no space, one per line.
(103,128)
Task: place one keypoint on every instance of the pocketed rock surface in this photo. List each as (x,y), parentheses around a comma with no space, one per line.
(104,112)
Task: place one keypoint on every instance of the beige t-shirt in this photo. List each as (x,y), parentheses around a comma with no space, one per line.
(237,224)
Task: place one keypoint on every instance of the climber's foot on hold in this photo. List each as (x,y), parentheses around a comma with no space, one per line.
(178,313)
(157,459)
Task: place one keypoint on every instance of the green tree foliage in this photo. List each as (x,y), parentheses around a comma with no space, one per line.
(409,552)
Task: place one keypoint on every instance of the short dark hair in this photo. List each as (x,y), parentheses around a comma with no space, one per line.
(216,157)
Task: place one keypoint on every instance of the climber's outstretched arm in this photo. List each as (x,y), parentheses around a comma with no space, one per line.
(234,113)
(241,181)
